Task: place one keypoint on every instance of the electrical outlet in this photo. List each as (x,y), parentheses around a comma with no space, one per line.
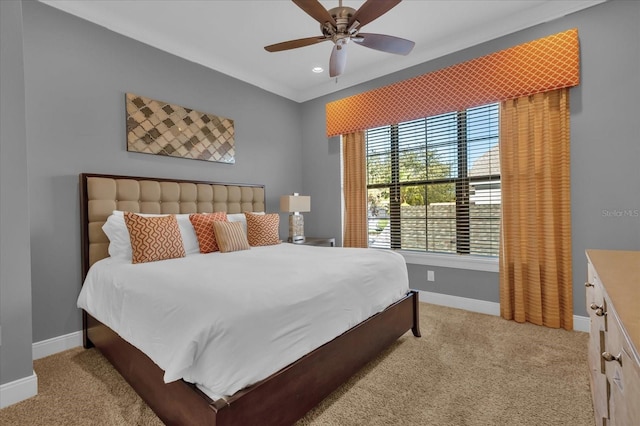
(431,276)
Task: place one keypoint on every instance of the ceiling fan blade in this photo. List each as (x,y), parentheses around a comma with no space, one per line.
(338,60)
(314,9)
(385,43)
(372,9)
(294,44)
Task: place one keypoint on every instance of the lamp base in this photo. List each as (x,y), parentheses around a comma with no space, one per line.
(296,228)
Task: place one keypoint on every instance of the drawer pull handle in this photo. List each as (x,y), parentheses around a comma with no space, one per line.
(588,284)
(609,357)
(599,309)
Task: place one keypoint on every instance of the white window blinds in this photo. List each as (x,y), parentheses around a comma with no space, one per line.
(433,184)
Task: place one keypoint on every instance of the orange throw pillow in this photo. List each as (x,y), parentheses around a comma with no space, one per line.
(262,229)
(203,225)
(230,236)
(154,238)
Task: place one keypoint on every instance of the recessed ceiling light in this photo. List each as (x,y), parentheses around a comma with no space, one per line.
(317,70)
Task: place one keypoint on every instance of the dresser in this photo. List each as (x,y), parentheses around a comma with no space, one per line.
(613,304)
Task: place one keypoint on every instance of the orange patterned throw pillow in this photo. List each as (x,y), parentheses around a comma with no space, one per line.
(262,230)
(230,236)
(154,238)
(203,224)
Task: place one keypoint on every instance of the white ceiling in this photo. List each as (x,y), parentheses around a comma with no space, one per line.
(229,36)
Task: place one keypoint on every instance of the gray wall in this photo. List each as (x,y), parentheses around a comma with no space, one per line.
(479,285)
(605,144)
(76,75)
(15,272)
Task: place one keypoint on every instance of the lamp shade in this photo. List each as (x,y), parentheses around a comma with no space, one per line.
(295,203)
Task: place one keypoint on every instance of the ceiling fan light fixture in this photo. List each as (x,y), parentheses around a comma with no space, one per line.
(317,70)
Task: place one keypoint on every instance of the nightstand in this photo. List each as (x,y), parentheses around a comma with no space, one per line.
(312,241)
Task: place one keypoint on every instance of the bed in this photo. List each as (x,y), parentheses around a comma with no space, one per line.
(280,398)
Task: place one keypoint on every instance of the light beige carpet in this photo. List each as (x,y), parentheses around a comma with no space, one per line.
(467,369)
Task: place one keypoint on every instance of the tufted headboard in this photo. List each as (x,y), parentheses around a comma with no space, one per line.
(101,194)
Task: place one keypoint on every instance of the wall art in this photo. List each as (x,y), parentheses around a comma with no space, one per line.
(156,127)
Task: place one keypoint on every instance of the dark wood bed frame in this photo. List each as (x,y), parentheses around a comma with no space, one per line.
(280,399)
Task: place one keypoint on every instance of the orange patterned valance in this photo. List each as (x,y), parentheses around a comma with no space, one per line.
(538,66)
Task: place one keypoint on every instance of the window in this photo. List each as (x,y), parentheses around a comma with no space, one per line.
(433,184)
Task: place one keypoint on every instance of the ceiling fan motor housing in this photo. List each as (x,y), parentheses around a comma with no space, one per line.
(340,34)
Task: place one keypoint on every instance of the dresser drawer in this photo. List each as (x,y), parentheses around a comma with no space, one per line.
(597,329)
(623,374)
(595,297)
(613,305)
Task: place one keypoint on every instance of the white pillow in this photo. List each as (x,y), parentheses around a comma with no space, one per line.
(120,244)
(240,217)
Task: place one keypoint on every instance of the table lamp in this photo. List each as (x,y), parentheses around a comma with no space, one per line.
(295,204)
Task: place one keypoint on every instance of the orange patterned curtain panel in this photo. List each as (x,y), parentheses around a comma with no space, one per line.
(541,65)
(355,191)
(535,243)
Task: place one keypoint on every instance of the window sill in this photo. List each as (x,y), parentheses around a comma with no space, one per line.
(474,263)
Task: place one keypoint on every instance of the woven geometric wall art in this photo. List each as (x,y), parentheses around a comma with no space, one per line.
(156,127)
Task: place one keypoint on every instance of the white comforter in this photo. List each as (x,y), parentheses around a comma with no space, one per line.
(226,320)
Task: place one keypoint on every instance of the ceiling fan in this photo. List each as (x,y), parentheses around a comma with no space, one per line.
(341,25)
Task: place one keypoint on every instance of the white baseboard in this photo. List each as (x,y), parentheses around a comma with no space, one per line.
(473,305)
(54,345)
(581,323)
(21,389)
(482,306)
(18,390)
